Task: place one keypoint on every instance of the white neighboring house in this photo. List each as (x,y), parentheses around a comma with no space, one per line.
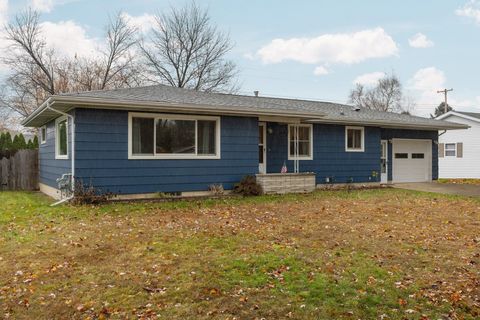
(459,150)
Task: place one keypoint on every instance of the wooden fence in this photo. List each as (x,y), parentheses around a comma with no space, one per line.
(20,171)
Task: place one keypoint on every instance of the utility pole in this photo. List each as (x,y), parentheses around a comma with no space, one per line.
(445,91)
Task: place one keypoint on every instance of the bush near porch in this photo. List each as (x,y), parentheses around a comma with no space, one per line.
(370,254)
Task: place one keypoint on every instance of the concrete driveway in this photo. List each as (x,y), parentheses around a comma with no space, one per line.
(445,188)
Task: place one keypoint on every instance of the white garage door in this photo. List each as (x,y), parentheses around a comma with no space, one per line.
(412,160)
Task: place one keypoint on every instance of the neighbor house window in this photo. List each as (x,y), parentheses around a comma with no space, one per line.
(61,138)
(159,136)
(43,134)
(300,141)
(354,139)
(450,149)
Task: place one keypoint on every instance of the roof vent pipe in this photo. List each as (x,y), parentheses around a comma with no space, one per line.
(255,93)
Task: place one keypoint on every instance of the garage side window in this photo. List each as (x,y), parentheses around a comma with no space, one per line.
(450,149)
(43,134)
(61,138)
(354,139)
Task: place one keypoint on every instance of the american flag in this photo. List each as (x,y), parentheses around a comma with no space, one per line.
(284,168)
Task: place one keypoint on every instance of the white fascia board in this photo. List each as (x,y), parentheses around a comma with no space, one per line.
(453,113)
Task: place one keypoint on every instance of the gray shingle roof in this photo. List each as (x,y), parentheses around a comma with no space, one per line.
(322,111)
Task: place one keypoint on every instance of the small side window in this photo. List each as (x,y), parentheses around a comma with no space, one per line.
(354,139)
(401,155)
(450,149)
(43,134)
(61,138)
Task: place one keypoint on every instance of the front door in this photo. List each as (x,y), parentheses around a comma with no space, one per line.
(262,147)
(383,162)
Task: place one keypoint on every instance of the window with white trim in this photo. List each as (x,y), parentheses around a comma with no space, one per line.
(450,149)
(43,134)
(162,136)
(61,138)
(354,139)
(303,145)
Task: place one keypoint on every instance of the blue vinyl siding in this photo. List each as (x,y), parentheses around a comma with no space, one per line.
(51,168)
(102,157)
(329,156)
(388,134)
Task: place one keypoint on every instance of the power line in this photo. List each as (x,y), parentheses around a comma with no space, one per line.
(271,95)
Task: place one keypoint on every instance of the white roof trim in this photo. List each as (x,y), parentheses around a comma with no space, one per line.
(453,113)
(67,103)
(390,124)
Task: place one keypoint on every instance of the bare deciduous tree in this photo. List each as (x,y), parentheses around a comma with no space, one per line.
(408,104)
(4,113)
(357,96)
(28,55)
(37,71)
(186,51)
(121,38)
(385,96)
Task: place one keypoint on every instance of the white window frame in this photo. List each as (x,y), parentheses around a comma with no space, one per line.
(362,139)
(173,156)
(43,139)
(59,156)
(454,150)
(309,157)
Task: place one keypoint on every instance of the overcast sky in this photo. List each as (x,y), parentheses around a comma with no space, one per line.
(309,49)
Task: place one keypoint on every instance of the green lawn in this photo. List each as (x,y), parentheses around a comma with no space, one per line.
(371,254)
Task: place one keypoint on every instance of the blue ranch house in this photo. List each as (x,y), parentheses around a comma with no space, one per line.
(146,140)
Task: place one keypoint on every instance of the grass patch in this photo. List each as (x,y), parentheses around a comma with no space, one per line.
(331,254)
(460,181)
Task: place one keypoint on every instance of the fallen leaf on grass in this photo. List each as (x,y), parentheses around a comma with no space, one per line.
(402,302)
(214,292)
(155,290)
(455,297)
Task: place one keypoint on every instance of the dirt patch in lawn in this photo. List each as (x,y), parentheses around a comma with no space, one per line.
(389,254)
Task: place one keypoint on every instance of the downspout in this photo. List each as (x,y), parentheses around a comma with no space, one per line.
(444,131)
(72,118)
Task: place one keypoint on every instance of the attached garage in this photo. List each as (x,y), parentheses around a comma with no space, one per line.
(412,160)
